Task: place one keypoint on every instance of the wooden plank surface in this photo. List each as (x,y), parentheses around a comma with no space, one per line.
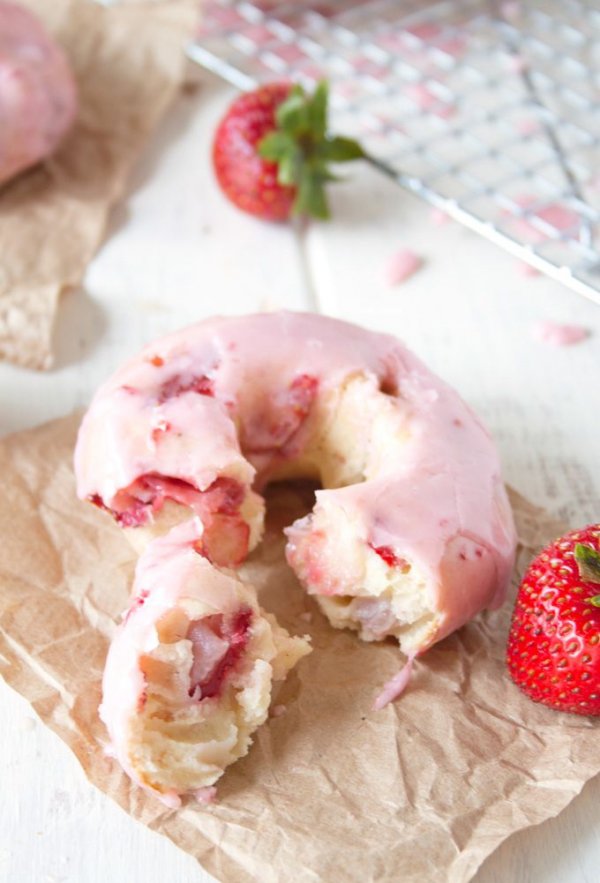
(177,252)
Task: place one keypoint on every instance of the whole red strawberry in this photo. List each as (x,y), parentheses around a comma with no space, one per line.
(553,651)
(271,152)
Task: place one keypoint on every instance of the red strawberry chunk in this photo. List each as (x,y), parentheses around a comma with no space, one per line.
(287,412)
(218,644)
(177,385)
(134,506)
(224,495)
(301,395)
(387,554)
(138,601)
(224,540)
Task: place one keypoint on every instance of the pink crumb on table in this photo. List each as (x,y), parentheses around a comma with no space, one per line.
(559,335)
(438,217)
(306,617)
(526,269)
(402,266)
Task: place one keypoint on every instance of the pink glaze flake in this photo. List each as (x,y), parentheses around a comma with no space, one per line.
(205,795)
(402,265)
(556,334)
(439,217)
(427,100)
(526,269)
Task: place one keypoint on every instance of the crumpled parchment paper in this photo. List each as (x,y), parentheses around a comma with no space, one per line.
(129,64)
(422,791)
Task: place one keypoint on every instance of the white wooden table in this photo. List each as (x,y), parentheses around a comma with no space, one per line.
(176,252)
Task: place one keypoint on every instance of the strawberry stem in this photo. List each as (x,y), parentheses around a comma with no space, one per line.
(303,149)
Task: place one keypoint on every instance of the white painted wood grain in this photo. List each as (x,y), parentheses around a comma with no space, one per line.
(178,252)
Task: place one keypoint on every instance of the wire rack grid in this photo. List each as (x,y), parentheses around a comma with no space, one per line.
(488,110)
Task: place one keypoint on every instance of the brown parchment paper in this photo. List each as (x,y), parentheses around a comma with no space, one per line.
(422,791)
(129,63)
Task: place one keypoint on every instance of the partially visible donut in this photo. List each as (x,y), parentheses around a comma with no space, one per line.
(189,673)
(412,534)
(38,96)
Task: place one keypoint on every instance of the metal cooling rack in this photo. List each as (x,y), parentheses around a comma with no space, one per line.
(490,111)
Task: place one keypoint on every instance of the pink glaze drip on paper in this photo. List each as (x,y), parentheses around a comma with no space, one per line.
(38,96)
(395,687)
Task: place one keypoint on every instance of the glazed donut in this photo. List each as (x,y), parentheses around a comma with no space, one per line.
(38,97)
(411,534)
(189,673)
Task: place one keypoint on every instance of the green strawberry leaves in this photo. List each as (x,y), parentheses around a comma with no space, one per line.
(588,564)
(302,149)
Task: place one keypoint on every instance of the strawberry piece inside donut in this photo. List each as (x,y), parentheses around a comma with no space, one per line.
(148,493)
(218,644)
(177,385)
(276,426)
(387,554)
(224,540)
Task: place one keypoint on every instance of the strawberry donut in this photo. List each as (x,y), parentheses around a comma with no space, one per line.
(38,97)
(411,534)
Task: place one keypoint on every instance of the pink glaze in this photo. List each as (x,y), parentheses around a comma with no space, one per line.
(427,100)
(563,219)
(559,335)
(419,38)
(169,571)
(206,795)
(404,264)
(395,687)
(439,501)
(38,97)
